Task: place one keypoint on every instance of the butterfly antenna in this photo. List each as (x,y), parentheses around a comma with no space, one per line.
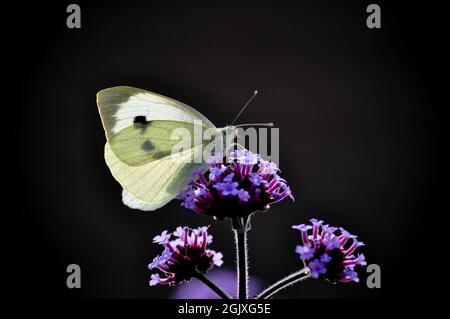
(242,110)
(255,124)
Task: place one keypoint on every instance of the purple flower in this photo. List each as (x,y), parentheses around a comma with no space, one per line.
(227,188)
(183,256)
(154,263)
(178,232)
(245,157)
(243,195)
(154,279)
(162,239)
(256,179)
(229,178)
(217,259)
(325,258)
(329,255)
(350,275)
(238,188)
(317,268)
(188,197)
(216,172)
(305,252)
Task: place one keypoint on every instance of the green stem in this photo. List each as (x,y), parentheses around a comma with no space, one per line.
(240,227)
(212,285)
(294,278)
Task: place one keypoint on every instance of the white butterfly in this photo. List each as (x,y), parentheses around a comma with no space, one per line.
(139,126)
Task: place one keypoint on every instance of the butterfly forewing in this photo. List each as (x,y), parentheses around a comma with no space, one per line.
(120,106)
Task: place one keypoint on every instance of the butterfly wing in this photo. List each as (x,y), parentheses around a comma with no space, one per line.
(139,128)
(119,106)
(152,185)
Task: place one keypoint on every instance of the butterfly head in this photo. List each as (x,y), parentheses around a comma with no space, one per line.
(228,135)
(229,130)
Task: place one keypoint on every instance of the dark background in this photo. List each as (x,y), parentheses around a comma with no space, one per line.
(355,108)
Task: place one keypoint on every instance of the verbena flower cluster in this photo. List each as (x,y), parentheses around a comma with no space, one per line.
(329,255)
(235,188)
(247,183)
(185,253)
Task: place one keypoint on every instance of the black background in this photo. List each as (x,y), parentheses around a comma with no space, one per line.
(355,108)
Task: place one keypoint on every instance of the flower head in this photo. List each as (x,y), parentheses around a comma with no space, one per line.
(185,253)
(245,184)
(327,254)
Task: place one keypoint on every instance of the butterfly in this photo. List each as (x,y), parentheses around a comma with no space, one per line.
(139,127)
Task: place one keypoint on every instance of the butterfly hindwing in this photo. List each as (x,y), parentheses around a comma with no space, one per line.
(154,183)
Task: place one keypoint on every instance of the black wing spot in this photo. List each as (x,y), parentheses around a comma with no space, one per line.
(140,119)
(148,146)
(140,122)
